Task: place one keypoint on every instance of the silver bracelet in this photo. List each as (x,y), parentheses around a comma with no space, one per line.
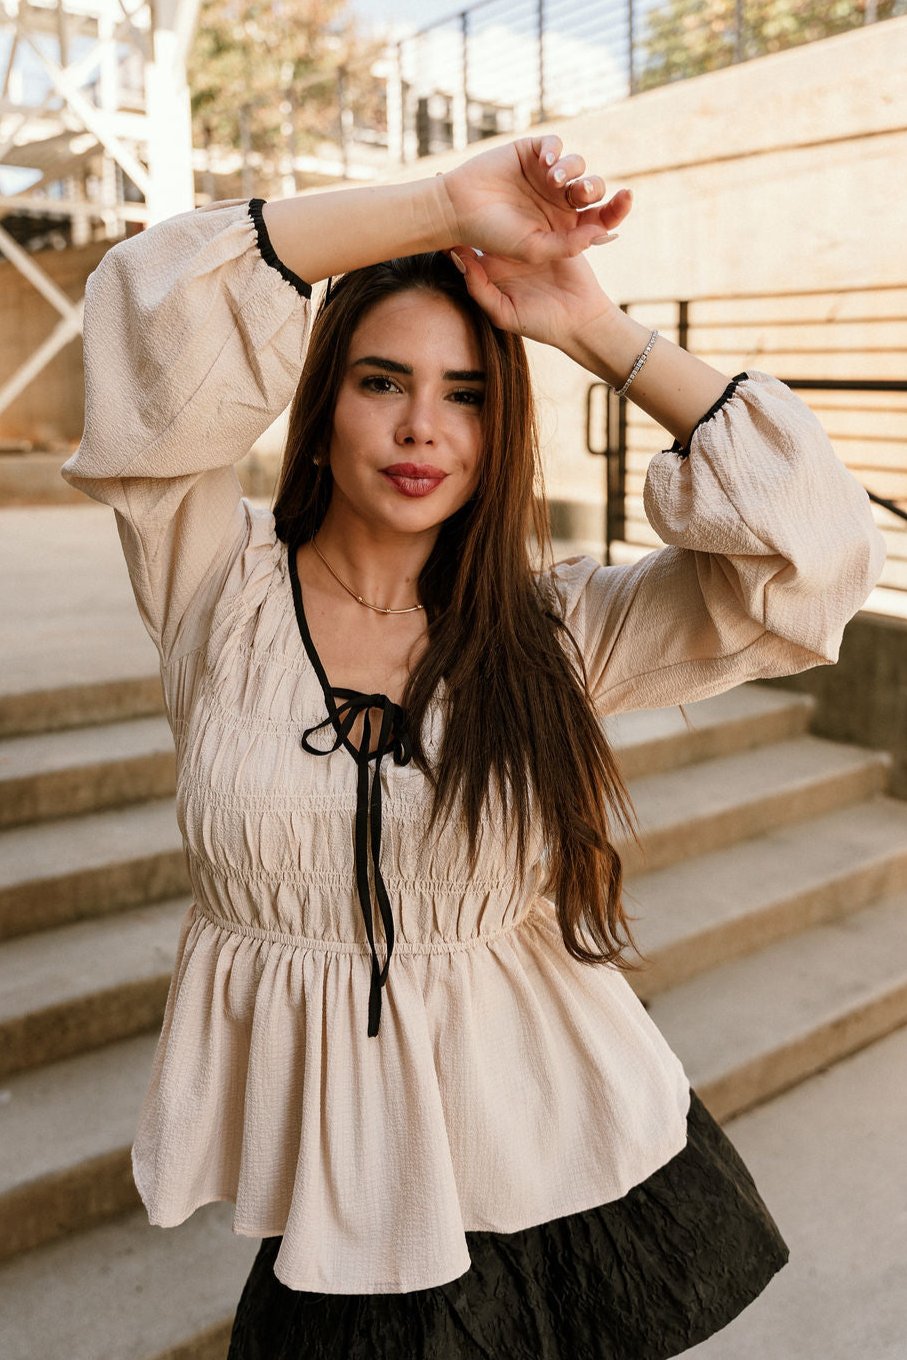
(639,363)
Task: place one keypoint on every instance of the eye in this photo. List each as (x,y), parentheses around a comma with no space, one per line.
(375,378)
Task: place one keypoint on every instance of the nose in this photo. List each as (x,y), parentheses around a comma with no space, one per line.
(418,424)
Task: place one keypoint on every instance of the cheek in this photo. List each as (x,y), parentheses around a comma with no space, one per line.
(351,434)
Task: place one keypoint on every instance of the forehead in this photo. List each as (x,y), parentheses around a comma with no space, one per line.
(423,322)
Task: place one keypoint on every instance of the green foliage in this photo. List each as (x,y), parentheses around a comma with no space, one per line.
(689,37)
(264,74)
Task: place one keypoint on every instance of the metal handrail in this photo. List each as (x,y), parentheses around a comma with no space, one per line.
(614,449)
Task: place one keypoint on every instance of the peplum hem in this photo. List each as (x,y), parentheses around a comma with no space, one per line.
(642,1278)
(488,1102)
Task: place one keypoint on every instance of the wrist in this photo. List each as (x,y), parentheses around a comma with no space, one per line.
(608,344)
(442,228)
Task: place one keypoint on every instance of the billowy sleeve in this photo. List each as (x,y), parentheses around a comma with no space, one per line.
(194,339)
(772,548)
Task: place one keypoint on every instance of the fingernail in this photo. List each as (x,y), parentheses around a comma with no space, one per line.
(603,240)
(587,185)
(559,176)
(458,262)
(550,158)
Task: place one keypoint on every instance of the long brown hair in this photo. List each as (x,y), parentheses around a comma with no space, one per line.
(519,713)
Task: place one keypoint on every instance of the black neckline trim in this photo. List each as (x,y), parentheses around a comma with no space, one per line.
(393,740)
(269,254)
(331,692)
(684,449)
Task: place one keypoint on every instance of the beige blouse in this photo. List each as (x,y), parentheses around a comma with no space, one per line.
(505,1084)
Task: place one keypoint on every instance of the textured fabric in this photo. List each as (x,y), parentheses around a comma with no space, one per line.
(509,1084)
(640,1278)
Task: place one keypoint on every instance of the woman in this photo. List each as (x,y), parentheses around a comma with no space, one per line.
(381,709)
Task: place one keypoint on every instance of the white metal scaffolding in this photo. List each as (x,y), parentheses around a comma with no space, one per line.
(95,114)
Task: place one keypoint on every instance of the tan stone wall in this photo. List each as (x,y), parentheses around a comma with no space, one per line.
(783,173)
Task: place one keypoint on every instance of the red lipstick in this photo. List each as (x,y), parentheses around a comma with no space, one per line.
(414,479)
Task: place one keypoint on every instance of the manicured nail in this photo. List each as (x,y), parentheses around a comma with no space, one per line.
(458,262)
(559,176)
(603,240)
(551,157)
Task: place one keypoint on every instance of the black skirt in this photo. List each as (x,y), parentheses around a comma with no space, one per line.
(639,1278)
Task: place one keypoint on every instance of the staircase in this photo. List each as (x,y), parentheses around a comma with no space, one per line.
(771,901)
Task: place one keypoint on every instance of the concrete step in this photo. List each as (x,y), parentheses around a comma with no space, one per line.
(694,810)
(830,1160)
(59,774)
(754,1027)
(65,1151)
(128,1291)
(706,911)
(73,643)
(48,772)
(85,769)
(57,872)
(656,739)
(25,710)
(85,985)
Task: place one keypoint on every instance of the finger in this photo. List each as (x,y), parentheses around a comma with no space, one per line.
(479,286)
(612,213)
(560,245)
(565,169)
(581,193)
(547,149)
(609,215)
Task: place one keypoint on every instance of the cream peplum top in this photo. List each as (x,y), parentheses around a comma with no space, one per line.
(482,1079)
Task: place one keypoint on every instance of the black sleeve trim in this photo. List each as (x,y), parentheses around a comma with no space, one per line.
(269,254)
(684,449)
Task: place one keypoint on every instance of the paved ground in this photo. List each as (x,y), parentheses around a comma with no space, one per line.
(67,612)
(830,1161)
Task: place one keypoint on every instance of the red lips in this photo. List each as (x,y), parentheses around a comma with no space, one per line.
(414,470)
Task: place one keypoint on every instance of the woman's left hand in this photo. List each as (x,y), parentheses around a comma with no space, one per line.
(550,302)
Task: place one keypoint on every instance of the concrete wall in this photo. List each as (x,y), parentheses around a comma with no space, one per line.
(864,697)
(783,173)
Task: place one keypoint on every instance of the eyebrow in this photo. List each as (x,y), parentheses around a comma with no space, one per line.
(452,374)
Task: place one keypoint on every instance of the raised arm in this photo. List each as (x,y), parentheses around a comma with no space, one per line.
(194,338)
(773,548)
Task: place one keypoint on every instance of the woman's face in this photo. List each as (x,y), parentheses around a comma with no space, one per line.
(407,434)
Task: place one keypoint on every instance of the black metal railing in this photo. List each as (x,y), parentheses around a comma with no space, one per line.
(499,65)
(861,329)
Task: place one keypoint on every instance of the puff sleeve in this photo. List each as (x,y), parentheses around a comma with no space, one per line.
(772,548)
(194,339)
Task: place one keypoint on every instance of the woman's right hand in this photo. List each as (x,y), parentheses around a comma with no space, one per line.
(507,202)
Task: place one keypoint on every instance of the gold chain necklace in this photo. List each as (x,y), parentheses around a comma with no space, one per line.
(379,609)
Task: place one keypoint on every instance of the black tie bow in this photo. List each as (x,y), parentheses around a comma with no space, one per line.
(393,739)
